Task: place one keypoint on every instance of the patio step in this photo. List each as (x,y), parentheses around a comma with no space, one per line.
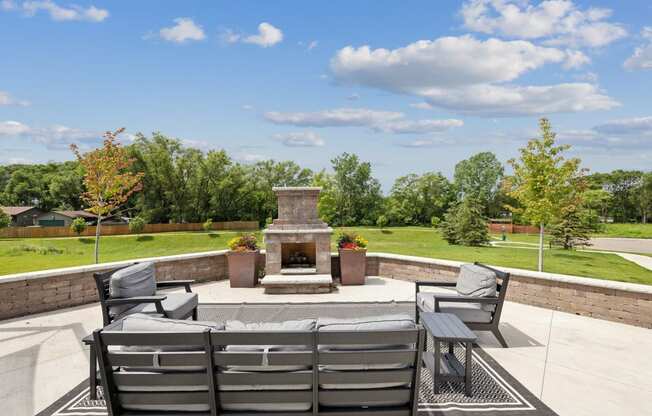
(299,270)
(297,283)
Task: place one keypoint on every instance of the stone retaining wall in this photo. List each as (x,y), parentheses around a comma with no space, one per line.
(28,293)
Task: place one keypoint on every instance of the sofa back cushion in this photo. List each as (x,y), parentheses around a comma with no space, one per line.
(474,280)
(285,326)
(136,280)
(365,323)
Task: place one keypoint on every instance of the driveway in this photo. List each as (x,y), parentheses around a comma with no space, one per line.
(631,245)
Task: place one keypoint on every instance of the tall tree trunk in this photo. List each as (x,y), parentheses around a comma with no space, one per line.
(97,239)
(540,247)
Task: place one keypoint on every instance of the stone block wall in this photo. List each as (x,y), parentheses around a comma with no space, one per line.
(46,291)
(626,303)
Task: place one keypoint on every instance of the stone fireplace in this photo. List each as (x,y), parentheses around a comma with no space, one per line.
(297,243)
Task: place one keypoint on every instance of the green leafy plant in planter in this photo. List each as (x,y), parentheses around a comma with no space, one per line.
(242,259)
(353,262)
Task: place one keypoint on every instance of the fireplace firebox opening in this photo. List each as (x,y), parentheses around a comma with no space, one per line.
(298,255)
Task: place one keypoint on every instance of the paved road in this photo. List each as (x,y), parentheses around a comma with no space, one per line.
(631,245)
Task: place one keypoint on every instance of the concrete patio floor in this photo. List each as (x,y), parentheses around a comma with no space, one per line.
(576,365)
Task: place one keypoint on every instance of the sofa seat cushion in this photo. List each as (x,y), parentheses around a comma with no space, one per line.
(259,387)
(161,388)
(358,386)
(467,312)
(184,408)
(369,323)
(176,306)
(426,299)
(266,407)
(136,280)
(295,325)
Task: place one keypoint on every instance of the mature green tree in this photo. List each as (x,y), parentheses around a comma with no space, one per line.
(597,201)
(354,191)
(465,224)
(622,185)
(643,197)
(479,177)
(66,186)
(416,199)
(544,180)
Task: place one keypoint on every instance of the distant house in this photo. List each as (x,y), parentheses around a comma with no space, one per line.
(64,218)
(22,216)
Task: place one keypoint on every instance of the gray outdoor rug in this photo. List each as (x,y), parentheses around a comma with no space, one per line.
(495,392)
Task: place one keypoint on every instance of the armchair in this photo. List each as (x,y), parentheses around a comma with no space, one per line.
(481,313)
(172,305)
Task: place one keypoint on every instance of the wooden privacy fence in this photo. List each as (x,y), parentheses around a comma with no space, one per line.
(122,229)
(512,228)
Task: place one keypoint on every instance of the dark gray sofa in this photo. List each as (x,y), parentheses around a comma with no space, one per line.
(368,366)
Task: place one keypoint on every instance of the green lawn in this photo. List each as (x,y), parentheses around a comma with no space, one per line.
(627,230)
(18,255)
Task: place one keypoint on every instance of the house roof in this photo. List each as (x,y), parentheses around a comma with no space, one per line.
(16,210)
(75,214)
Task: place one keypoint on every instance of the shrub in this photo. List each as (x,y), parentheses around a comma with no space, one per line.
(435,221)
(137,225)
(5,219)
(245,242)
(465,225)
(351,241)
(381,221)
(78,225)
(207,225)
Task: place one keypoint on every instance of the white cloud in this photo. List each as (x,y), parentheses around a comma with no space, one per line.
(642,56)
(12,128)
(420,143)
(557,22)
(471,76)
(8,5)
(248,157)
(7,99)
(353,97)
(422,106)
(624,135)
(229,36)
(267,36)
(503,101)
(59,13)
(418,126)
(300,139)
(312,45)
(379,121)
(340,117)
(447,61)
(55,137)
(248,107)
(184,30)
(575,59)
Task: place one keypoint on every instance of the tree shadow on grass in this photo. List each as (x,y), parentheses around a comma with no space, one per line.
(86,240)
(213,235)
(387,231)
(144,238)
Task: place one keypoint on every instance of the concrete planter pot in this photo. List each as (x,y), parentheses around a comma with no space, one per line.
(353,266)
(242,268)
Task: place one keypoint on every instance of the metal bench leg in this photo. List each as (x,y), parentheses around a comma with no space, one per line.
(468,382)
(93,373)
(437,364)
(194,314)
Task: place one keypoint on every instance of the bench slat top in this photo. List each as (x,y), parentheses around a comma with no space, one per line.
(447,327)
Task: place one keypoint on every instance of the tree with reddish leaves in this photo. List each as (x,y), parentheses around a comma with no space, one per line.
(107,178)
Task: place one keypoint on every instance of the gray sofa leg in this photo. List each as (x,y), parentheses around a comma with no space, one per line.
(194,314)
(499,337)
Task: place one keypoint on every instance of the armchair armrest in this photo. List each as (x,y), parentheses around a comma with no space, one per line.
(175,283)
(465,299)
(156,299)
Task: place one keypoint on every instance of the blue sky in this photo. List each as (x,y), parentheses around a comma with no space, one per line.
(409,86)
